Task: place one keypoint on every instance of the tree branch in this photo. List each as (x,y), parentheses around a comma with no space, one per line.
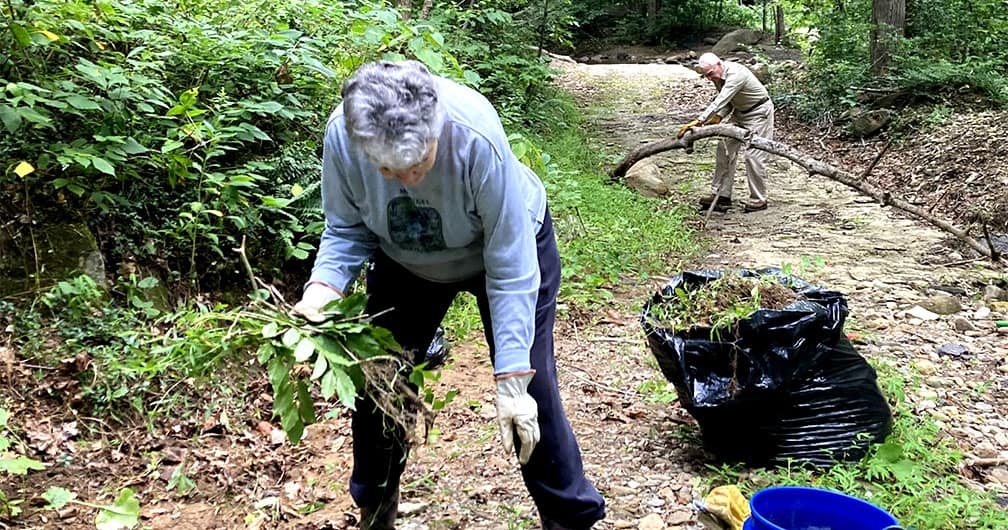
(812,165)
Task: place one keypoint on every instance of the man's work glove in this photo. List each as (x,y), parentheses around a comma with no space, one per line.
(517,412)
(713,120)
(315,297)
(688,126)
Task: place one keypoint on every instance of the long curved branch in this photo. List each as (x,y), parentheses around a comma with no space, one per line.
(813,166)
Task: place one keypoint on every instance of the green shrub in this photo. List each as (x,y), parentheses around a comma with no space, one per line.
(948,46)
(167,126)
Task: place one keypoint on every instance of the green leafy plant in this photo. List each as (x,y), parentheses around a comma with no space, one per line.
(658,391)
(719,303)
(124,513)
(174,120)
(347,356)
(605,233)
(12,464)
(181,482)
(940,55)
(805,267)
(336,350)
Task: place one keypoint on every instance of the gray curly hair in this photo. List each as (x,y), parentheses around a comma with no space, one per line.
(392,112)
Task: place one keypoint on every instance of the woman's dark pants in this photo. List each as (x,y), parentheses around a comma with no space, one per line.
(554,474)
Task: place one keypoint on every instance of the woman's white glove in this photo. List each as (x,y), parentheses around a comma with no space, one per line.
(315,297)
(517,412)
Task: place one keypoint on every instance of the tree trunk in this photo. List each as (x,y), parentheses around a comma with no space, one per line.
(425,10)
(405,8)
(888,23)
(779,24)
(764,17)
(652,14)
(542,29)
(812,165)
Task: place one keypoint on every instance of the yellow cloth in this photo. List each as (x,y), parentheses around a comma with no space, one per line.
(729,505)
(713,120)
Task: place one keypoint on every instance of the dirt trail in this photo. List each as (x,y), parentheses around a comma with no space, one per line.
(885,262)
(641,452)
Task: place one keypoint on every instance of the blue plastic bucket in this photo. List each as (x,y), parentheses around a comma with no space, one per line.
(798,508)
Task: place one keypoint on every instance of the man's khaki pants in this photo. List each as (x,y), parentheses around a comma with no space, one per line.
(761,122)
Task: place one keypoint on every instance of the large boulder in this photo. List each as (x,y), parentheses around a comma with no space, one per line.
(864,123)
(736,40)
(645,176)
(53,252)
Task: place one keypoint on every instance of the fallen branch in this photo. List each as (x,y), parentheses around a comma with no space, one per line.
(813,166)
(987,462)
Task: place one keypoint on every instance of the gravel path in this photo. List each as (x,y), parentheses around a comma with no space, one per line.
(642,453)
(640,450)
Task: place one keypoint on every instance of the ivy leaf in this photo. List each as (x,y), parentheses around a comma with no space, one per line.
(21,35)
(345,388)
(80,102)
(10,118)
(306,407)
(103,165)
(304,350)
(291,337)
(270,330)
(20,465)
(125,513)
(57,497)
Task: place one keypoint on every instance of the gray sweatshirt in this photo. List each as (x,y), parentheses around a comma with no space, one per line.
(477,210)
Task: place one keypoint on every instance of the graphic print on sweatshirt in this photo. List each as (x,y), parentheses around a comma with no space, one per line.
(413,227)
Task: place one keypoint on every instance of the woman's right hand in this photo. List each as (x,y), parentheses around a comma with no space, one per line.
(316,296)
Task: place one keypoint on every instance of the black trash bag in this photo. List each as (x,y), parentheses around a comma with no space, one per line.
(437,352)
(783,386)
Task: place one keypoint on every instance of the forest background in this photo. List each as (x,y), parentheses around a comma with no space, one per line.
(175,146)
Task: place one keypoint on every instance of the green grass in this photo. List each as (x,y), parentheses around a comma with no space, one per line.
(607,233)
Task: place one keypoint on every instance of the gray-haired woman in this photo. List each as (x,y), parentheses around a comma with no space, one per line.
(419,180)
